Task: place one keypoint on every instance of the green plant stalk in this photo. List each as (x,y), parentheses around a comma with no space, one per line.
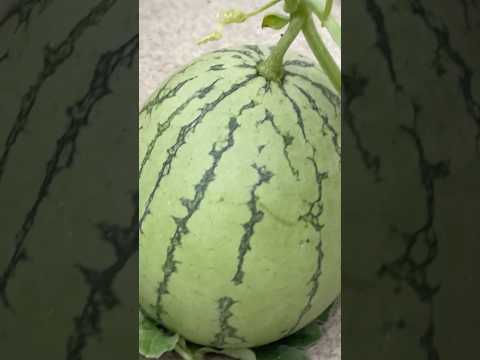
(328,10)
(321,53)
(272,67)
(290,6)
(263,8)
(184,353)
(318,7)
(323,11)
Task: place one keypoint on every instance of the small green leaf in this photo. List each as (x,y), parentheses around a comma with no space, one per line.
(240,354)
(274,21)
(280,352)
(154,341)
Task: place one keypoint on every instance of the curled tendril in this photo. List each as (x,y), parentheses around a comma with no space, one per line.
(227,17)
(214,36)
(233,16)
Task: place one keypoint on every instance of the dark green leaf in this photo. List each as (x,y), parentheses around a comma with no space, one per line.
(280,352)
(310,334)
(274,21)
(154,341)
(240,354)
(327,313)
(305,337)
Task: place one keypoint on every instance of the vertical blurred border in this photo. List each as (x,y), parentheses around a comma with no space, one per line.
(68,179)
(410,175)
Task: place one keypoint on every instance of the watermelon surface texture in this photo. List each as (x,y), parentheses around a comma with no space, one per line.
(239,199)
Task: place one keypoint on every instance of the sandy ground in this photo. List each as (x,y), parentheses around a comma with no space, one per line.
(169,31)
(168,34)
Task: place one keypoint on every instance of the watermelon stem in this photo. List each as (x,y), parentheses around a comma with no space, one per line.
(301,20)
(321,52)
(290,6)
(272,67)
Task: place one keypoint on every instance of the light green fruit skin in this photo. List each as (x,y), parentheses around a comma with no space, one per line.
(288,281)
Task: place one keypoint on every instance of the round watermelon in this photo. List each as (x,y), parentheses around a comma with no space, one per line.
(239,199)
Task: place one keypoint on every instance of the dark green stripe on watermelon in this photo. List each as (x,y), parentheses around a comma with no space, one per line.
(181,140)
(256,49)
(158,99)
(192,205)
(333,98)
(216,67)
(323,116)
(251,105)
(312,217)
(313,291)
(299,63)
(163,126)
(298,113)
(268,86)
(246,66)
(315,210)
(286,138)
(227,331)
(237,52)
(255,217)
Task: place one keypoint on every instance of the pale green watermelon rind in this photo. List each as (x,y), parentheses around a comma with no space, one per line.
(213,157)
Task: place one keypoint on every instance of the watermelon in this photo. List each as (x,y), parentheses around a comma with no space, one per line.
(239,199)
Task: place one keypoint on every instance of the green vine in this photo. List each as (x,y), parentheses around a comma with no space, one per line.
(300,20)
(321,53)
(328,10)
